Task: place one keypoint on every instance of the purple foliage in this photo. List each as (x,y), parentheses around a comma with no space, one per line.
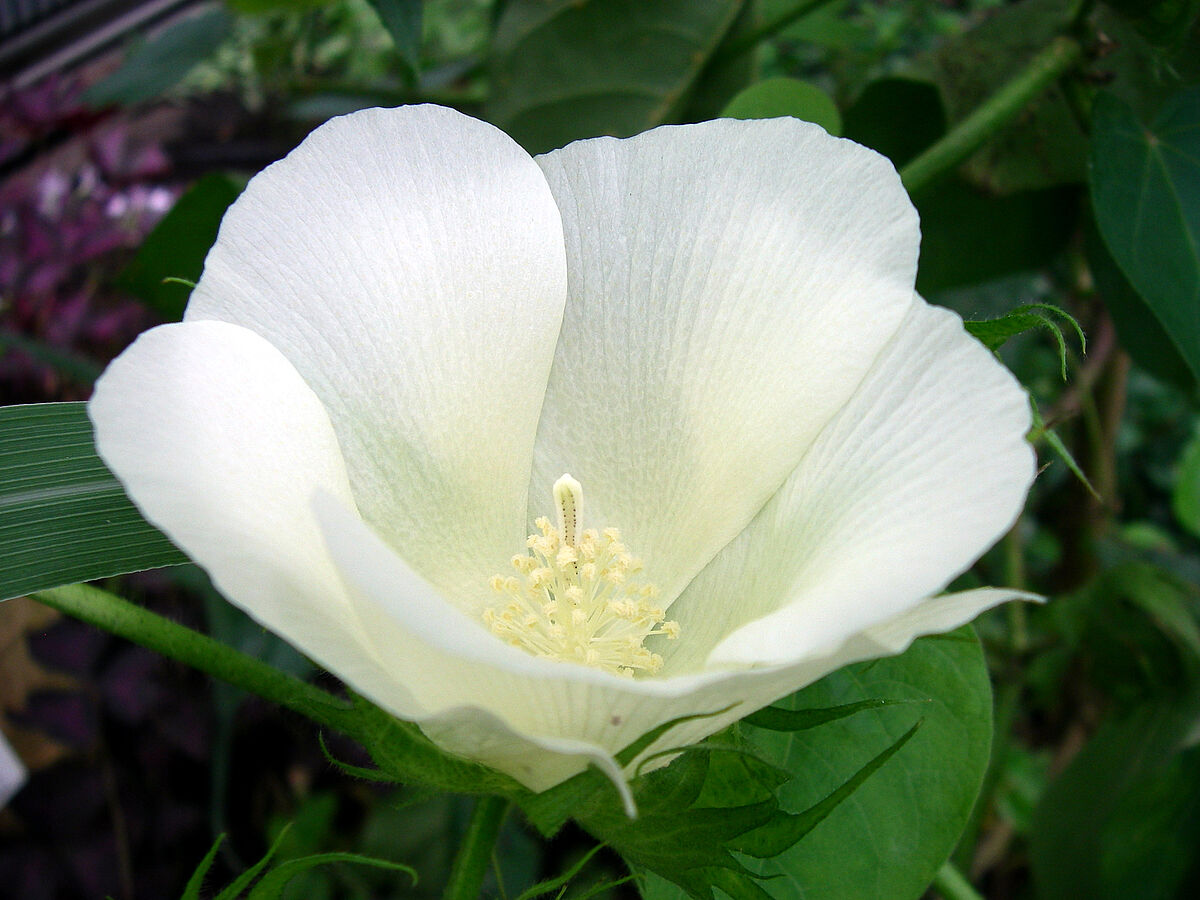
(84,193)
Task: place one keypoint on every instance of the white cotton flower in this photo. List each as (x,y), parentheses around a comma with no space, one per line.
(408,331)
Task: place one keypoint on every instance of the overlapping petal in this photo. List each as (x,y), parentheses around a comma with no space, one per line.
(345,429)
(222,445)
(730,284)
(919,472)
(410,264)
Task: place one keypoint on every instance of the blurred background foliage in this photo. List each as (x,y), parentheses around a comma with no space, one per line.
(115,176)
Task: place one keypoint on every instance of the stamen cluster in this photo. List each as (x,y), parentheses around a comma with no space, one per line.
(581,601)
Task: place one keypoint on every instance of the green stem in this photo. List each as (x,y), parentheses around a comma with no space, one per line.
(971,133)
(1014,565)
(752,39)
(953,885)
(128,620)
(475,852)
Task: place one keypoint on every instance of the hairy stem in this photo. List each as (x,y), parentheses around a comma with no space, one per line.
(1059,56)
(475,852)
(130,621)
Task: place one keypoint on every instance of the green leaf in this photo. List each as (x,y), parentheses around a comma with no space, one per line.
(63,517)
(725,73)
(273,883)
(235,888)
(786,97)
(969,236)
(402,19)
(172,256)
(1164,22)
(563,70)
(552,884)
(1140,332)
(1040,432)
(774,718)
(192,890)
(779,835)
(899,117)
(161,62)
(995,333)
(1123,820)
(888,838)
(1145,183)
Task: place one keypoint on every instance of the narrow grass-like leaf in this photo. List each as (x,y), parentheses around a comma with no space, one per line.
(63,517)
(243,881)
(994,333)
(553,884)
(192,890)
(273,883)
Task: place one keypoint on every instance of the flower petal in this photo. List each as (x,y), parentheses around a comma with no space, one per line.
(220,444)
(409,263)
(12,773)
(916,476)
(730,284)
(540,720)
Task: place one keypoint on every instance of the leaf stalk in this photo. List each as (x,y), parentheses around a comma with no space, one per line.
(1057,58)
(140,625)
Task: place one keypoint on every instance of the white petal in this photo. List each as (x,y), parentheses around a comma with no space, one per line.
(730,284)
(936,615)
(409,262)
(12,773)
(542,721)
(220,444)
(917,475)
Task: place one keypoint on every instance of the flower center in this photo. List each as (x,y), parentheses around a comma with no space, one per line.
(578,596)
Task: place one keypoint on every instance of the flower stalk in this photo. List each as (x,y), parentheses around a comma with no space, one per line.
(475,851)
(155,632)
(1058,57)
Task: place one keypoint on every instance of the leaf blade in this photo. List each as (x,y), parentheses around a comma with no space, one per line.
(64,518)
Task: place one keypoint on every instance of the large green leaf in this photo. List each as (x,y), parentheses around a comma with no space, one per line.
(899,117)
(402,19)
(1124,819)
(904,821)
(969,236)
(63,516)
(888,838)
(786,97)
(1140,332)
(563,70)
(1145,183)
(176,248)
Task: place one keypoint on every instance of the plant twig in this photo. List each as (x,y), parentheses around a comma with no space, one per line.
(1058,57)
(133,622)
